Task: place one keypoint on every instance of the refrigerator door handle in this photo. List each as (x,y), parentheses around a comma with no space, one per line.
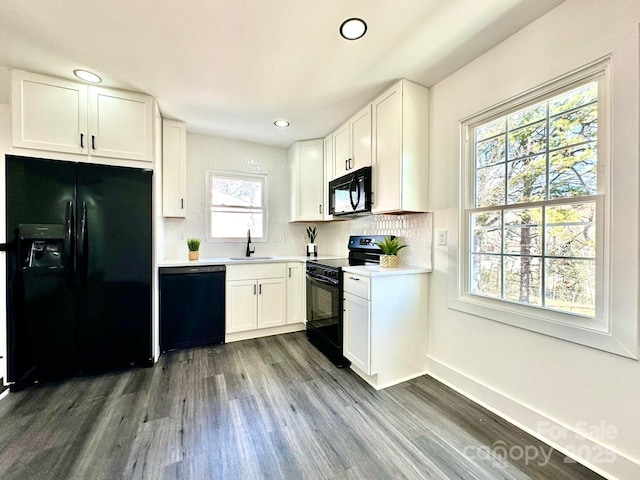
(83,247)
(69,241)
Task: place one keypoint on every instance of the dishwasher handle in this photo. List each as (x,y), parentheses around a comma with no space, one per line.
(192,270)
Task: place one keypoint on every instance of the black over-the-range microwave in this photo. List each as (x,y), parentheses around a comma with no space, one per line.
(351,193)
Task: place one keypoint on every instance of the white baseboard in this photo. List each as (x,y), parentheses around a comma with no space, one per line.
(263,332)
(566,439)
(373,379)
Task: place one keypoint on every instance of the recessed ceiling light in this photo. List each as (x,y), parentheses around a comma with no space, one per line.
(281,123)
(87,76)
(353,28)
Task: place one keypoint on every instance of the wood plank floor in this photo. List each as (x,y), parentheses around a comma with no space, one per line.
(270,408)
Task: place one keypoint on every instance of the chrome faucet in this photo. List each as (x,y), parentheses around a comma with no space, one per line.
(249,249)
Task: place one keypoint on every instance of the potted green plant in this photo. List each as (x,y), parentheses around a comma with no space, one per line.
(390,248)
(194,248)
(312,248)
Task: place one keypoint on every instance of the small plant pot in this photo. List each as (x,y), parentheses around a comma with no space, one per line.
(312,250)
(194,255)
(388,261)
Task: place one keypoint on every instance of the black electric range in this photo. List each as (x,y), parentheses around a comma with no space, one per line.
(325,295)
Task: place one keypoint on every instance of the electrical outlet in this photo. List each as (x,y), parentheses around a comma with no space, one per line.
(181,236)
(442,238)
(280,237)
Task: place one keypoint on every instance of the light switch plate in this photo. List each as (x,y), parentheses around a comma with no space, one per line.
(442,238)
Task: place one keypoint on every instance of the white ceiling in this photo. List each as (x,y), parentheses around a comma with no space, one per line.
(231,67)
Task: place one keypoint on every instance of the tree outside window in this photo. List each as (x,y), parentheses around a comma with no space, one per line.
(533,221)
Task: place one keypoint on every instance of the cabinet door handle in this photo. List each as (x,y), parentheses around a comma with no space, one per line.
(354,278)
(260,289)
(320,209)
(289,272)
(346,164)
(82,140)
(350,160)
(254,288)
(182,203)
(93,142)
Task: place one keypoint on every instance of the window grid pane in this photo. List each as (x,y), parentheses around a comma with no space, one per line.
(237,203)
(541,255)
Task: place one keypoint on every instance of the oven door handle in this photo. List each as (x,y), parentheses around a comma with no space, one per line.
(320,280)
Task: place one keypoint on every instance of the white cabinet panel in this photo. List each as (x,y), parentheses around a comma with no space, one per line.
(272,302)
(401,149)
(296,306)
(307,180)
(120,124)
(174,169)
(241,305)
(357,332)
(49,113)
(328,174)
(352,143)
(360,126)
(388,151)
(357,285)
(341,150)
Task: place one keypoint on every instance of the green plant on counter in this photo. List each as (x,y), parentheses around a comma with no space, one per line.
(193,244)
(390,246)
(312,234)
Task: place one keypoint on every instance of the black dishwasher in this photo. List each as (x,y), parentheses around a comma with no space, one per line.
(192,306)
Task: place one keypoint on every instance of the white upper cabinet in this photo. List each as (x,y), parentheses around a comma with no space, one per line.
(49,113)
(328,174)
(352,143)
(401,149)
(174,169)
(307,181)
(63,116)
(120,124)
(360,126)
(341,151)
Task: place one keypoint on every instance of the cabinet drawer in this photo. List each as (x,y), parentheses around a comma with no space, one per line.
(356,285)
(256,270)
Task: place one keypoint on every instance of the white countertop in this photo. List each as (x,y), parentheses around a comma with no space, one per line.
(183,262)
(376,271)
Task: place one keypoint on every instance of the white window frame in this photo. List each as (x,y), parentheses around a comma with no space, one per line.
(600,331)
(241,176)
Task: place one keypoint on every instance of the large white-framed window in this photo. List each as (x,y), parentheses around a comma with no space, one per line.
(534,217)
(237,203)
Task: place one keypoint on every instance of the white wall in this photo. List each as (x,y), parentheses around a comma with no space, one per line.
(528,377)
(206,153)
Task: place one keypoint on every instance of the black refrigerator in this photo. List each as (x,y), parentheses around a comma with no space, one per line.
(79,268)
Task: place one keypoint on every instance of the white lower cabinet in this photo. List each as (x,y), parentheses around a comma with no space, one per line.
(385,326)
(241,305)
(257,300)
(272,302)
(296,283)
(357,332)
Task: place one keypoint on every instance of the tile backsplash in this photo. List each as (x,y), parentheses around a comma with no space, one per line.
(414,230)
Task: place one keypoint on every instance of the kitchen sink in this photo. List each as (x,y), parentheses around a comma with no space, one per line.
(250,258)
